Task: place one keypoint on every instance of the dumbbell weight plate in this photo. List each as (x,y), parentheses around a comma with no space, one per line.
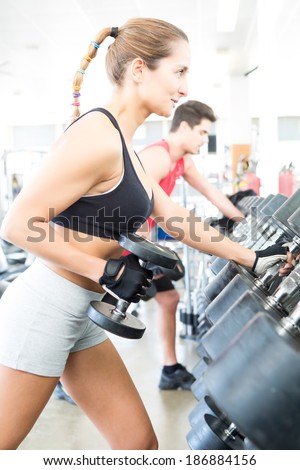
(198,388)
(200,367)
(206,406)
(217,264)
(231,292)
(220,281)
(231,323)
(210,433)
(249,445)
(256,382)
(287,209)
(147,250)
(294,222)
(127,325)
(203,325)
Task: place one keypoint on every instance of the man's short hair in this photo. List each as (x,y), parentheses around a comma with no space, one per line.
(192,112)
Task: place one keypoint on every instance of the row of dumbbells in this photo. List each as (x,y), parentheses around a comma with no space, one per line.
(248,376)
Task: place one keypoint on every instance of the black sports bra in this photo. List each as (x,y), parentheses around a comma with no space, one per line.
(123,209)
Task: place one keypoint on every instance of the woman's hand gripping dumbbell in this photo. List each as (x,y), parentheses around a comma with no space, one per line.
(126,278)
(272,255)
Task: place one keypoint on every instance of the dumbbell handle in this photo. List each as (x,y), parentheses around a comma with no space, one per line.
(231,432)
(287,294)
(122,305)
(294,246)
(264,280)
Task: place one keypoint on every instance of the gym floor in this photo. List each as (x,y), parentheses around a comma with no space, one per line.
(63,426)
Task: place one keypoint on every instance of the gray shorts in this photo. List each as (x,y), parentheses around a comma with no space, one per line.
(42,319)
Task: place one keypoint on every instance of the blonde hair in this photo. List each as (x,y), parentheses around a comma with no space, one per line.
(147,38)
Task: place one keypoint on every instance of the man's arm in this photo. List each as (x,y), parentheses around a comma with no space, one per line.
(214,195)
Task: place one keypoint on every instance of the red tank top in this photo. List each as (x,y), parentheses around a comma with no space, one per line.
(168,183)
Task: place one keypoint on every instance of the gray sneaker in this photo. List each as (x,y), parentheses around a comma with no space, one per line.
(180,379)
(61,394)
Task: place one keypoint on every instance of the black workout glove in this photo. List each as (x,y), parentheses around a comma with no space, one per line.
(268,257)
(132,283)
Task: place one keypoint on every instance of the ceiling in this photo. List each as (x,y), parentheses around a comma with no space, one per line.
(42,43)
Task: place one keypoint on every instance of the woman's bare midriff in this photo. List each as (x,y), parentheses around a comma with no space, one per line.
(94,246)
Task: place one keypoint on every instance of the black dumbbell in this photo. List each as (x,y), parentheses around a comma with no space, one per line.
(242,280)
(280,304)
(206,405)
(200,367)
(211,433)
(111,312)
(265,284)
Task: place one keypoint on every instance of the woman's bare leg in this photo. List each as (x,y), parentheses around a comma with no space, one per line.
(23,397)
(98,381)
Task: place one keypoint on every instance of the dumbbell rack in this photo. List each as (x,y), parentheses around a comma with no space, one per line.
(247,380)
(195,280)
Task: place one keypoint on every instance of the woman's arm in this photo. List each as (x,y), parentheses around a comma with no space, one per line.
(86,155)
(185,226)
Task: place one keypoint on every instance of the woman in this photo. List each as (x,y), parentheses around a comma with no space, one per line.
(91,188)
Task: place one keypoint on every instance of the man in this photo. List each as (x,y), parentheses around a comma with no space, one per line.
(166,161)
